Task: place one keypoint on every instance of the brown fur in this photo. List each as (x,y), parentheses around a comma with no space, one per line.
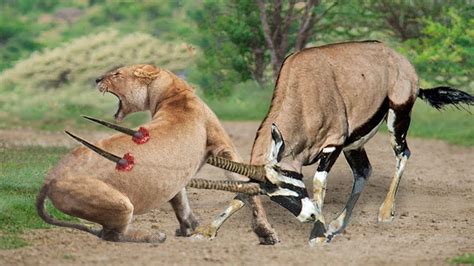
(325,93)
(183,133)
(322,96)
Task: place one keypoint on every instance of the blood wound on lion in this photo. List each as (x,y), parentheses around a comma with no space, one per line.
(126,163)
(141,136)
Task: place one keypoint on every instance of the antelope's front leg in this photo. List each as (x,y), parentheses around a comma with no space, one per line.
(210,230)
(328,158)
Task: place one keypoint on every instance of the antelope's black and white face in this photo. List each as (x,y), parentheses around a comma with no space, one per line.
(286,187)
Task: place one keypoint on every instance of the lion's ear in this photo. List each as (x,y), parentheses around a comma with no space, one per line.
(147,71)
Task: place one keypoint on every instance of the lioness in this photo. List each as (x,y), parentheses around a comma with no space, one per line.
(183,133)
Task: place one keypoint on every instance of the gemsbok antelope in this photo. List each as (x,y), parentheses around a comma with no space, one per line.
(332,99)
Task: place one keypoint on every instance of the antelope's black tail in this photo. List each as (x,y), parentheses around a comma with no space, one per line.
(439,97)
(49,219)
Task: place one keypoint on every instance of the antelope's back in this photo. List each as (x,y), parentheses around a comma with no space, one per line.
(353,80)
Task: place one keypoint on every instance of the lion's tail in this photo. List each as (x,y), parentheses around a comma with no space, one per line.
(49,219)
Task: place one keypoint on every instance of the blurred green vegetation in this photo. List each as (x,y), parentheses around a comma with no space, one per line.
(21,175)
(51,51)
(466,259)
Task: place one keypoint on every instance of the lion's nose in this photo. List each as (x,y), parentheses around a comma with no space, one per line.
(99,79)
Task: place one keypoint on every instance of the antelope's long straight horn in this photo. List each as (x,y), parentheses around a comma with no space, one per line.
(139,136)
(255,172)
(107,155)
(123,164)
(226,185)
(125,130)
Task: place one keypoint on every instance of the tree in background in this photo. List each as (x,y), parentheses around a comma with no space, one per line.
(404,18)
(17,38)
(288,28)
(239,39)
(445,53)
(233,48)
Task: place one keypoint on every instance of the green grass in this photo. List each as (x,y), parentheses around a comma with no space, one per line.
(464,259)
(21,175)
(247,102)
(452,125)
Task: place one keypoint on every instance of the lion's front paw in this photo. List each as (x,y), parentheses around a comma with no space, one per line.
(205,231)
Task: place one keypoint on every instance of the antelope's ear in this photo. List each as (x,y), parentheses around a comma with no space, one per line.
(147,71)
(277,146)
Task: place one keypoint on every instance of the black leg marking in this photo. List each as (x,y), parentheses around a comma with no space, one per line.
(318,230)
(361,169)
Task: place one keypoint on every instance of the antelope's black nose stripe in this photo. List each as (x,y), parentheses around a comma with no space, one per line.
(291,203)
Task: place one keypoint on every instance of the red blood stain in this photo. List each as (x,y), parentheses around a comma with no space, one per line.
(126,163)
(142,136)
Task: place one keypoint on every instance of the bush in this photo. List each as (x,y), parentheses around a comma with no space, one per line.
(444,55)
(17,38)
(50,89)
(82,60)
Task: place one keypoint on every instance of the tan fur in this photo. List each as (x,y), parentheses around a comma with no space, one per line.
(322,96)
(324,93)
(183,133)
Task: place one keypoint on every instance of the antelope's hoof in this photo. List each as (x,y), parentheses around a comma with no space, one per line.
(386,214)
(318,241)
(385,218)
(205,232)
(271,239)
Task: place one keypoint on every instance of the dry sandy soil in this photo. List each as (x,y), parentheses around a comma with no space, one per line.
(434,220)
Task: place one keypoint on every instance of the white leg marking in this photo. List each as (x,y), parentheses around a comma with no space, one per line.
(391,120)
(329,149)
(391,127)
(308,211)
(234,206)
(283,192)
(401,162)
(319,189)
(320,176)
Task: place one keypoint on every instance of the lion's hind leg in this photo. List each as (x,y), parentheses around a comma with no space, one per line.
(93,200)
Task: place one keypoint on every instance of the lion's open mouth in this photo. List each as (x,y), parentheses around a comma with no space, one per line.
(119,115)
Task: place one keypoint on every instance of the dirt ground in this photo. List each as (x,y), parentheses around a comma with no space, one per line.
(434,220)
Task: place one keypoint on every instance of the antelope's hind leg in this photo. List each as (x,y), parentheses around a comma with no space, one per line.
(187,220)
(398,121)
(361,170)
(327,160)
